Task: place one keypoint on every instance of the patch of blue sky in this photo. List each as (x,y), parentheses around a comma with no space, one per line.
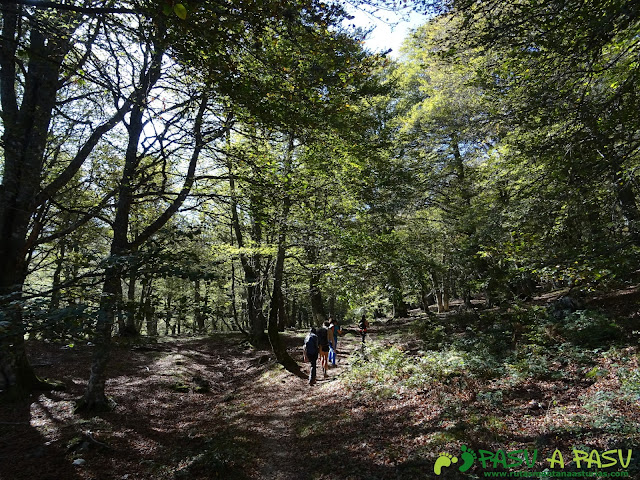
(388,29)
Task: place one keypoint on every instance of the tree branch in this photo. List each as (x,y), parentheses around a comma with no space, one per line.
(73,8)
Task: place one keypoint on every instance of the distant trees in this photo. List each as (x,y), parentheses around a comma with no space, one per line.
(517,125)
(564,77)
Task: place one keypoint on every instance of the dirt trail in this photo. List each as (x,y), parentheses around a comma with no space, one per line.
(254,420)
(291,418)
(207,408)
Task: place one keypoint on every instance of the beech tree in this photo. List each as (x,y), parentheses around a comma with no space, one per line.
(43,53)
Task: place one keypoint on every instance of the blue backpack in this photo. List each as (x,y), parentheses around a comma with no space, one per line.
(311,344)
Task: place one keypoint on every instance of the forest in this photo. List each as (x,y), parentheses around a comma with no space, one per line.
(189,186)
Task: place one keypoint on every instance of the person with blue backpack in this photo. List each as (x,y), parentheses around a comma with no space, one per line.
(311,349)
(333,344)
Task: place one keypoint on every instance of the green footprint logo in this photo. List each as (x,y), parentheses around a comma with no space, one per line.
(444,460)
(468,456)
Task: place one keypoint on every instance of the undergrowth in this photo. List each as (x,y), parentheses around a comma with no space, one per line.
(492,373)
(517,345)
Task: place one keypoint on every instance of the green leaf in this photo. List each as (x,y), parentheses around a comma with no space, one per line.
(593,372)
(166,9)
(180,11)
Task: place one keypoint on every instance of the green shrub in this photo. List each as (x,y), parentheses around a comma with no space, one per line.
(431,334)
(629,383)
(383,371)
(590,329)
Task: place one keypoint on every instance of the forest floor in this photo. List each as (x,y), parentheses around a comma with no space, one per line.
(425,391)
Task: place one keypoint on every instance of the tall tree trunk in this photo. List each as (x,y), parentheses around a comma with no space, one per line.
(198,317)
(206,309)
(130,328)
(234,305)
(293,312)
(150,314)
(277,299)
(400,308)
(315,294)
(140,315)
(439,301)
(283,318)
(25,129)
(279,349)
(168,313)
(94,397)
(445,298)
(257,322)
(182,313)
(56,294)
(437,289)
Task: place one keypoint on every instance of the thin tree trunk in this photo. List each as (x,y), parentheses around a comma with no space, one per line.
(293,315)
(131,307)
(234,305)
(445,298)
(182,313)
(206,310)
(140,307)
(437,289)
(94,397)
(277,300)
(198,316)
(150,312)
(168,313)
(56,294)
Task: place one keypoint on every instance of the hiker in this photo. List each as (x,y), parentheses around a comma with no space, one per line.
(330,338)
(333,350)
(363,325)
(323,341)
(310,349)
